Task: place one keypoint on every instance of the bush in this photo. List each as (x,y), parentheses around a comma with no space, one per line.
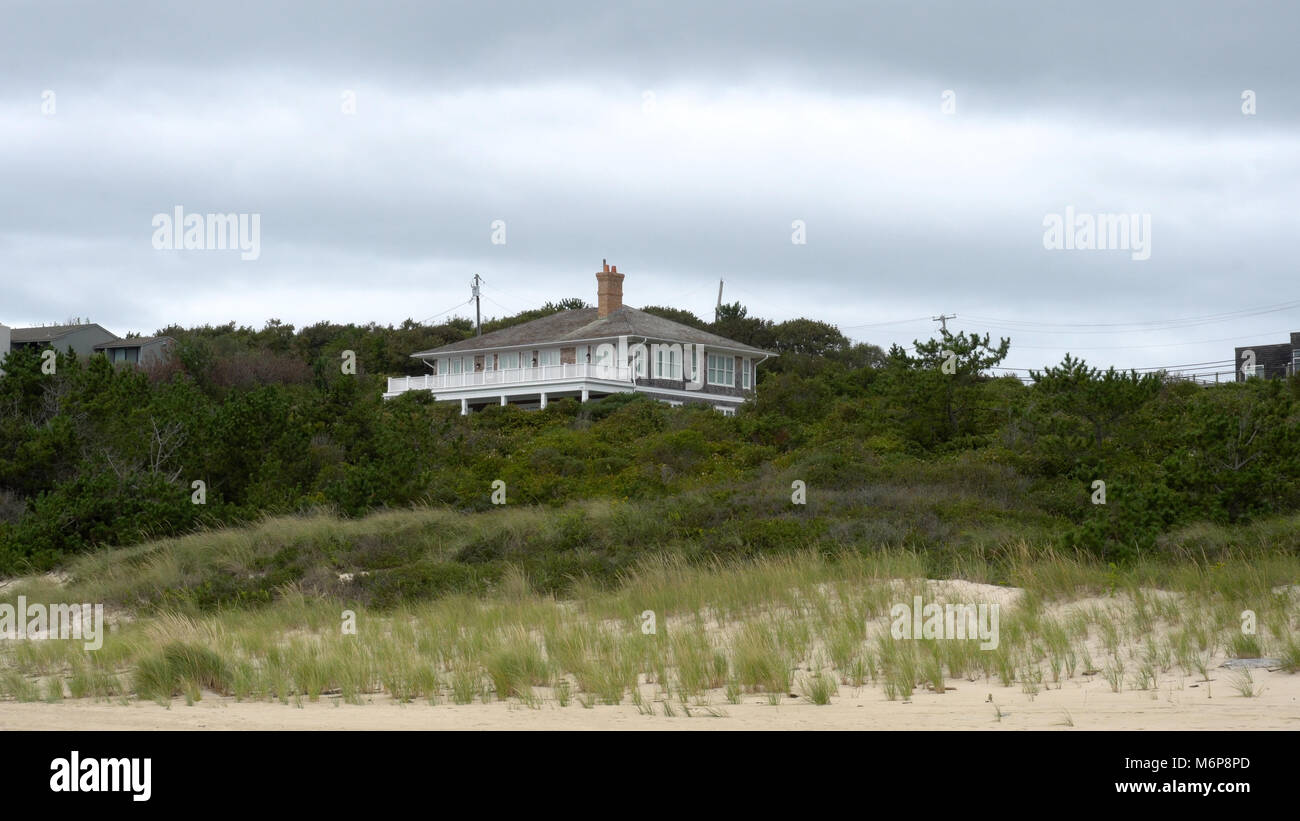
(181,669)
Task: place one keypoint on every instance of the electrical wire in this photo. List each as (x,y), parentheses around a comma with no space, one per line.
(1140,326)
(449,310)
(882,324)
(1159,345)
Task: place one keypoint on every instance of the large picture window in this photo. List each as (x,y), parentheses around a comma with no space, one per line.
(722,370)
(746,370)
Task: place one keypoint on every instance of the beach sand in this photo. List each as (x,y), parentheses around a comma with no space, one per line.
(1087,703)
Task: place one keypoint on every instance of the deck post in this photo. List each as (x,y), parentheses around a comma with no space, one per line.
(503,400)
(543,401)
(464,407)
(585,395)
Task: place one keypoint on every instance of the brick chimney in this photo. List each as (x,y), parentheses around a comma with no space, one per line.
(609,290)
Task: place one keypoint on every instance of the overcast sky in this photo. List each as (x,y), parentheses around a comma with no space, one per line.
(680,141)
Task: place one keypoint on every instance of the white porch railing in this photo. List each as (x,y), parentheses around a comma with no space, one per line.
(540,375)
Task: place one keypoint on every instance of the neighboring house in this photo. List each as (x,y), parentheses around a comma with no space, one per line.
(1270,361)
(588,353)
(140,350)
(82,339)
(86,340)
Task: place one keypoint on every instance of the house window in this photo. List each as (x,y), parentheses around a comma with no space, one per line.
(688,361)
(550,357)
(510,361)
(457,364)
(667,365)
(722,370)
(746,371)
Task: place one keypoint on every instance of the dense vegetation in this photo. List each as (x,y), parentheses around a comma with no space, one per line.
(895,450)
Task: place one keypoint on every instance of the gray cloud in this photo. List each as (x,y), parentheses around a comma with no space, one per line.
(759,114)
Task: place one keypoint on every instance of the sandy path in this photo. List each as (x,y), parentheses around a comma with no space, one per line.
(1090,705)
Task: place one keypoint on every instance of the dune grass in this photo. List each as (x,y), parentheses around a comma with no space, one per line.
(802,622)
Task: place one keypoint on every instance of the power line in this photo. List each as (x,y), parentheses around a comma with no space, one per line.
(1216,363)
(449,310)
(521,300)
(881,324)
(1188,366)
(1072,332)
(1203,317)
(509,293)
(1144,325)
(494,302)
(1160,345)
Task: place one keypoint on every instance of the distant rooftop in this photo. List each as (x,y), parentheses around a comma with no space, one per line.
(49,333)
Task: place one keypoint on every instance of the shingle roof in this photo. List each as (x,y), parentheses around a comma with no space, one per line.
(49,333)
(131,342)
(585,324)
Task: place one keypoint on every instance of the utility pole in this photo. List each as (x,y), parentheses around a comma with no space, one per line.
(478,313)
(943,320)
(718,310)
